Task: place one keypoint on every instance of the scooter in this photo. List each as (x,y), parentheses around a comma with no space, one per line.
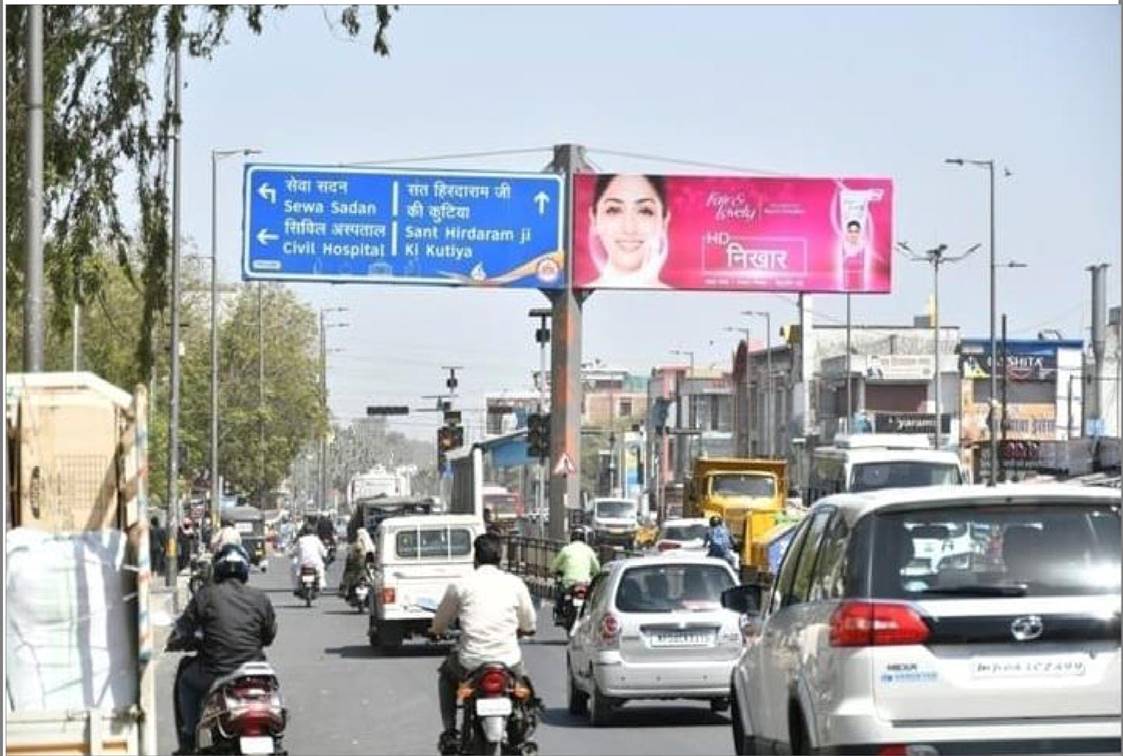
(360,590)
(242,713)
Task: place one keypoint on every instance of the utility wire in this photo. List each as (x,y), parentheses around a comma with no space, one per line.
(454,156)
(693,163)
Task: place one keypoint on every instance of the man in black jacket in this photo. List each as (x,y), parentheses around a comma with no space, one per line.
(237,622)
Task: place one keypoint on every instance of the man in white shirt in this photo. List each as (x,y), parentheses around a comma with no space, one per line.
(308,551)
(494,609)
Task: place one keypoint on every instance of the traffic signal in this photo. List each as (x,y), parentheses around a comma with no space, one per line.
(445,439)
(457,434)
(538,435)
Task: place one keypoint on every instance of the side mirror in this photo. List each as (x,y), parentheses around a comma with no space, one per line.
(743,599)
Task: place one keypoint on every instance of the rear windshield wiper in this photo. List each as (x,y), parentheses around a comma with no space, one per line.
(1014,591)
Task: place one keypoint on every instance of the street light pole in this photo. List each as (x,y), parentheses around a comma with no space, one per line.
(768,405)
(324,326)
(33,207)
(992,429)
(216,155)
(173,409)
(542,336)
(936,257)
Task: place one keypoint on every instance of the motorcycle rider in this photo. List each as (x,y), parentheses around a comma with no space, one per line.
(493,608)
(308,551)
(576,563)
(356,561)
(718,541)
(326,530)
(237,623)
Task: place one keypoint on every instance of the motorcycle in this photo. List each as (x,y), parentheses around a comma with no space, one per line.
(242,713)
(309,584)
(571,604)
(498,713)
(360,589)
(201,570)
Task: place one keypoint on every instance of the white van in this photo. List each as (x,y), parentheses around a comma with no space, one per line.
(416,558)
(873,461)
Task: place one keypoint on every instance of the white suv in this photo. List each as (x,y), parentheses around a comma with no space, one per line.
(1014,650)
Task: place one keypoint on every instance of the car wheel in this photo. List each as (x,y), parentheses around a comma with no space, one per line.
(719,705)
(742,745)
(577,699)
(600,708)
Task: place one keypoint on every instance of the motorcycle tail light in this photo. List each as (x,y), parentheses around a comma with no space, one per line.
(493,682)
(256,720)
(580,591)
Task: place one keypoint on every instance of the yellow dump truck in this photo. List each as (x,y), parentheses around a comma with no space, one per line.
(749,495)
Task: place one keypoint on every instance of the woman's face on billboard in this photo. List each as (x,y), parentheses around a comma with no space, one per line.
(630,220)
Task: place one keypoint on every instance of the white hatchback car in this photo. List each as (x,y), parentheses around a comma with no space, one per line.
(653,628)
(681,537)
(1018,653)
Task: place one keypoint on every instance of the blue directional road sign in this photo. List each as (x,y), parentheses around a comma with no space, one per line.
(310,223)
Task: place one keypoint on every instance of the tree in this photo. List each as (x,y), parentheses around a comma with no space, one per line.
(103,121)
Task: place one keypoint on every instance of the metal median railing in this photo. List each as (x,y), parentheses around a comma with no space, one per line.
(531,559)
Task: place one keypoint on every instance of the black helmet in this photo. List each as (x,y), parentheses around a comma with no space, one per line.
(232,561)
(715,521)
(577,535)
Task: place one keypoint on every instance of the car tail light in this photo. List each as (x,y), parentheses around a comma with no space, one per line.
(668,545)
(389,595)
(493,682)
(870,623)
(609,630)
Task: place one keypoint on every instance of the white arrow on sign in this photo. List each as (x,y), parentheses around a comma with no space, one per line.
(564,465)
(264,237)
(541,199)
(267,193)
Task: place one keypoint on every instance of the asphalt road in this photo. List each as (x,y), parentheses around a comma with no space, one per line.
(346,698)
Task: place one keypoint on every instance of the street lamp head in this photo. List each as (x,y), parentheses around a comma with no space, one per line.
(1016,264)
(954,161)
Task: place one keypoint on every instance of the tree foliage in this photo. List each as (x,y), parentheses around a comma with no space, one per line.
(106,121)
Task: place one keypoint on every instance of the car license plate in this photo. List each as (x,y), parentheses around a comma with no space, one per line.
(680,640)
(255,745)
(493,707)
(1066,665)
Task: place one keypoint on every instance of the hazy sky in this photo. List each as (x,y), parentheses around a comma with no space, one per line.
(809,90)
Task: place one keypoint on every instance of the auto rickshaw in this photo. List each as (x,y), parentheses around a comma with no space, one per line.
(250,524)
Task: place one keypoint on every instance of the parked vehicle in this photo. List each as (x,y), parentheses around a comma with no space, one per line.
(855,651)
(653,628)
(615,521)
(506,506)
(309,584)
(250,524)
(498,712)
(201,569)
(417,558)
(683,537)
(242,713)
(873,461)
(66,696)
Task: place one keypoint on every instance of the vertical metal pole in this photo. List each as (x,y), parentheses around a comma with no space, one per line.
(216,491)
(936,343)
(1005,380)
(260,399)
(324,398)
(771,395)
(173,422)
(1068,429)
(849,377)
(33,207)
(993,430)
(76,328)
(540,494)
(565,367)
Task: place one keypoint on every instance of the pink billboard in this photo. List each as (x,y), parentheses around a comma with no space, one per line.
(731,233)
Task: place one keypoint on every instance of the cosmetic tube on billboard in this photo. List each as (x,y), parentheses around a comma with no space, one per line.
(854,224)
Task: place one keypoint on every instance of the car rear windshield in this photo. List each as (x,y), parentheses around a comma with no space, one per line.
(663,588)
(616,508)
(684,532)
(743,485)
(994,552)
(871,476)
(433,543)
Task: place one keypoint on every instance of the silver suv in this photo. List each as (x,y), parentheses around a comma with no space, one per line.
(864,646)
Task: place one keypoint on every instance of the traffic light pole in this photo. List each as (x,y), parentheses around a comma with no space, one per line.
(542,337)
(565,367)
